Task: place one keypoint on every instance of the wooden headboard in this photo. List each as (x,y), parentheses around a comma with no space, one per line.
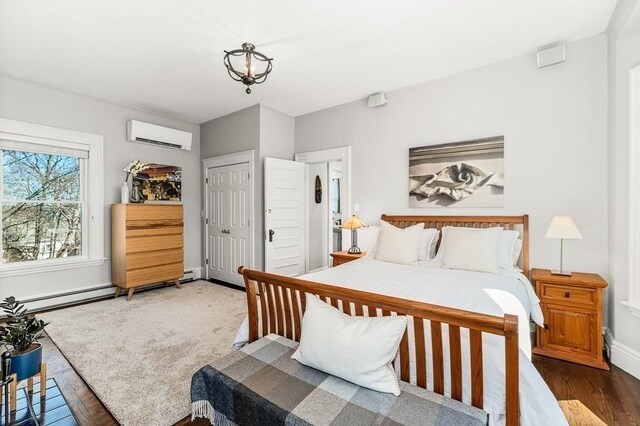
(516,223)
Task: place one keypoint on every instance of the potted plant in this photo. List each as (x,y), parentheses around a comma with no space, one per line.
(20,335)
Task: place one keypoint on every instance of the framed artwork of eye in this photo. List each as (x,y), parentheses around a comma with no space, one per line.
(459,174)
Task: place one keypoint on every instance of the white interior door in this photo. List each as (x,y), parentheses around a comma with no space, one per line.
(284,216)
(228,221)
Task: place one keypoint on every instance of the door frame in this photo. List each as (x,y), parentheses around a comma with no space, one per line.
(229,160)
(342,154)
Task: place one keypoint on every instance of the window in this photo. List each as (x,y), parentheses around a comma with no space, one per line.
(51,199)
(42,206)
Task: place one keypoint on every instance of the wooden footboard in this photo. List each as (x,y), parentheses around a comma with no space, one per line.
(276,304)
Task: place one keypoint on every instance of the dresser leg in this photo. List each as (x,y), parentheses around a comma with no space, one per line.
(130,294)
(118,290)
(177,283)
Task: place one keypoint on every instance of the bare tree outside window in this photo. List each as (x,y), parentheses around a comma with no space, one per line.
(41,206)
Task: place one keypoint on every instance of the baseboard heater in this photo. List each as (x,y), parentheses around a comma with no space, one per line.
(104,292)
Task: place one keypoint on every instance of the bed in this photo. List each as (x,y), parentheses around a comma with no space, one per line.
(478,295)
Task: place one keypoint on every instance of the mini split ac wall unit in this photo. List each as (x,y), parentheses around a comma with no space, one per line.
(138,131)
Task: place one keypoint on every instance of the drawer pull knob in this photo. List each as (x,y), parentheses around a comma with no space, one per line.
(545,325)
(567,294)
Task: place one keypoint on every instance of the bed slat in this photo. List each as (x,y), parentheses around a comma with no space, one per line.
(404,357)
(421,357)
(477,387)
(287,312)
(455,356)
(438,358)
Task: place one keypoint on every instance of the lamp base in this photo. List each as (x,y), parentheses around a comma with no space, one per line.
(354,250)
(564,273)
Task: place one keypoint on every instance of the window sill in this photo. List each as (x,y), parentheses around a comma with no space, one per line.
(40,268)
(634,308)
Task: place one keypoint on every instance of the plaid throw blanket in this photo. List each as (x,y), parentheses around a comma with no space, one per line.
(261,385)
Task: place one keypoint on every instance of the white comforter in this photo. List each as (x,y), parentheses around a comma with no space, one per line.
(480,292)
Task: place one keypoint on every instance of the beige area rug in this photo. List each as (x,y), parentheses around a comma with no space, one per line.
(139,356)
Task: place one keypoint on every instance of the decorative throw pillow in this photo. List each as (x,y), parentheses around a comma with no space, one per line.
(398,245)
(428,244)
(507,248)
(357,349)
(471,249)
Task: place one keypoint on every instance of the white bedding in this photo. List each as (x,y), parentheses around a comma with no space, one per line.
(509,292)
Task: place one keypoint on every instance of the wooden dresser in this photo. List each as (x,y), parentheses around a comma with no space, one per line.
(340,257)
(147,245)
(572,308)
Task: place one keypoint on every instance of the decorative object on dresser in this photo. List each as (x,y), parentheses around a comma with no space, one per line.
(147,245)
(135,167)
(353,224)
(159,182)
(572,308)
(341,257)
(564,228)
(459,174)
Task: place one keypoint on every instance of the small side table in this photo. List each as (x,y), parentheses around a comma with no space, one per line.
(340,257)
(572,309)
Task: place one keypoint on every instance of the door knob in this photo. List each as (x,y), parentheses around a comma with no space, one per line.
(271,235)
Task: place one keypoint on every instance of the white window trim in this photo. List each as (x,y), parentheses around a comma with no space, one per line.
(633,302)
(94,201)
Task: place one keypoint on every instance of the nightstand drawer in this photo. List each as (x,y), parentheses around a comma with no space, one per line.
(567,294)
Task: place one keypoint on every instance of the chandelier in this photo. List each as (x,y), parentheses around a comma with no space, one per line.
(254,66)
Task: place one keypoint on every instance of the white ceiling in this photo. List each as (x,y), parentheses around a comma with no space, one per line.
(165,56)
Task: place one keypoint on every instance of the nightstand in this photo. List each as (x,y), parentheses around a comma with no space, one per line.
(572,309)
(341,257)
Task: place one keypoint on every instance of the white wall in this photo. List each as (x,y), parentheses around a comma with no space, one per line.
(268,132)
(318,217)
(624,54)
(50,107)
(555,128)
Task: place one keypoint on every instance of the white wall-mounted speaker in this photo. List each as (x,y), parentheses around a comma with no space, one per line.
(552,56)
(377,100)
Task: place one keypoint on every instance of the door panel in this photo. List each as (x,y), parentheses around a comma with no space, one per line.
(567,328)
(228,227)
(284,199)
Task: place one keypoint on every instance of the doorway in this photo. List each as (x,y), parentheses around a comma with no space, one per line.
(228,216)
(327,203)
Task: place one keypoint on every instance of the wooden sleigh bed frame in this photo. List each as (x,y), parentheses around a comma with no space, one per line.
(276,304)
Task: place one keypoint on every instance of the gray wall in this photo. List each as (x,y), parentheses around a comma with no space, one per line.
(45,106)
(555,128)
(624,54)
(268,132)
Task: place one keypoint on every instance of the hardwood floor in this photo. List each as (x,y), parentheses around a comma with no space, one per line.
(588,396)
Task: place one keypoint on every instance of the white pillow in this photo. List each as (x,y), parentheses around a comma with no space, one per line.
(428,244)
(357,349)
(398,245)
(507,249)
(517,249)
(471,249)
(440,253)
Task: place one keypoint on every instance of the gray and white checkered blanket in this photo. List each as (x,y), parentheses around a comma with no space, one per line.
(261,385)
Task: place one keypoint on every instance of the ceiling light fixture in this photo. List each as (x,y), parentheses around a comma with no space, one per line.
(246,59)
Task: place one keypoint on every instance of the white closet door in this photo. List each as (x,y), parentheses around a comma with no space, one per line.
(227,221)
(285,216)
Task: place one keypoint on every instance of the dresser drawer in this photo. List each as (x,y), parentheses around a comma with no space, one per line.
(153,212)
(141,228)
(154,243)
(146,259)
(154,274)
(567,294)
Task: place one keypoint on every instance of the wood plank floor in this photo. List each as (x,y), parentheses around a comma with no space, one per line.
(588,396)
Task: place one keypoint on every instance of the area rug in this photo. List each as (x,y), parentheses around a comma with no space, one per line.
(139,356)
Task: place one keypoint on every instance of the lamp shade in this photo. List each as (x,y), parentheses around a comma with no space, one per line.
(354,222)
(563,227)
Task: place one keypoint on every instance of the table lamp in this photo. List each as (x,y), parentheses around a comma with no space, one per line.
(564,228)
(354,223)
